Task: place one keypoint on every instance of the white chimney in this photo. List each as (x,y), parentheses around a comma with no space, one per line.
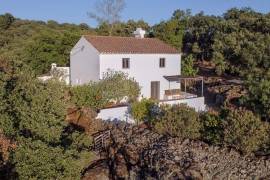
(53,65)
(139,33)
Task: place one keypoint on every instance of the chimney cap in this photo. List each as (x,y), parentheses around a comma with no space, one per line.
(139,33)
(53,65)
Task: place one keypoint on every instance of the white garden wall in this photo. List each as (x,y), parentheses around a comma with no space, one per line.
(123,113)
(196,103)
(116,114)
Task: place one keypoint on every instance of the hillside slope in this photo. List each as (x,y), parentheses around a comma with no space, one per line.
(139,153)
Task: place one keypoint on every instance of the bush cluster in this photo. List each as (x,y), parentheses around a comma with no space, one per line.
(32,114)
(188,66)
(212,129)
(89,95)
(237,128)
(113,88)
(245,131)
(178,120)
(142,110)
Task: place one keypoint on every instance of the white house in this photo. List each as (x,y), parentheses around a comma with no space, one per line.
(155,65)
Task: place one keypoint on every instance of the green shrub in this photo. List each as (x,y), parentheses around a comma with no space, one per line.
(188,66)
(141,110)
(36,160)
(220,63)
(258,95)
(37,109)
(114,87)
(178,120)
(117,85)
(212,131)
(33,115)
(89,95)
(244,131)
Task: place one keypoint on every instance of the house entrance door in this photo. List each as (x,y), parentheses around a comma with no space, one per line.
(155,90)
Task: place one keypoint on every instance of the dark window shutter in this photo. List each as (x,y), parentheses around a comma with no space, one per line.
(162,62)
(125,63)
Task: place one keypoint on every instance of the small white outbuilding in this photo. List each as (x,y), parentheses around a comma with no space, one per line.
(62,73)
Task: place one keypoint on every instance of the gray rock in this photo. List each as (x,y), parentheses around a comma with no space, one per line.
(148,155)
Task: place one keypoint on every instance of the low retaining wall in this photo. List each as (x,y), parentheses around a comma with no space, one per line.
(121,113)
(196,103)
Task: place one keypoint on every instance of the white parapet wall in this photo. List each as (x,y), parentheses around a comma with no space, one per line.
(121,113)
(196,103)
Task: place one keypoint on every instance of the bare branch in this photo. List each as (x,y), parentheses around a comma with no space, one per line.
(107,11)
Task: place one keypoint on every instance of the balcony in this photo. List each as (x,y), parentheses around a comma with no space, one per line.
(171,94)
(189,87)
(190,92)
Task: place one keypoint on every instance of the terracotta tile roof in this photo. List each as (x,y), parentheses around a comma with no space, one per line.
(130,45)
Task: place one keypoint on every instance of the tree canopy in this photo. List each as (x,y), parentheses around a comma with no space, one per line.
(33,114)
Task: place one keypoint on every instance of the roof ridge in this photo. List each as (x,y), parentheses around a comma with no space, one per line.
(119,44)
(118,36)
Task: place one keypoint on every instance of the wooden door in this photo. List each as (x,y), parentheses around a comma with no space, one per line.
(155,90)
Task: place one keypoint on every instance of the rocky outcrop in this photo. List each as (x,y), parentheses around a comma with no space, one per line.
(84,118)
(98,170)
(198,160)
(139,153)
(220,91)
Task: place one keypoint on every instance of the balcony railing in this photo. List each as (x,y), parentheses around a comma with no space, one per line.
(177,94)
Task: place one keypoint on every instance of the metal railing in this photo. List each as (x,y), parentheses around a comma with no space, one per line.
(101,140)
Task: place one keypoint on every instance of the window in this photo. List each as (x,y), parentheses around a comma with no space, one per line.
(162,62)
(125,63)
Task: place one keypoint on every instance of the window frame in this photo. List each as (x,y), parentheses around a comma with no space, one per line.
(162,62)
(125,63)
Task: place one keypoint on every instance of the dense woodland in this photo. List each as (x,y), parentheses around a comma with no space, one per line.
(35,140)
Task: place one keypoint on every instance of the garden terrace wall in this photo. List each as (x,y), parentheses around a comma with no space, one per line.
(117,113)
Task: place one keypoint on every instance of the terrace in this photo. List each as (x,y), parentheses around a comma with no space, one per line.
(190,91)
(188,87)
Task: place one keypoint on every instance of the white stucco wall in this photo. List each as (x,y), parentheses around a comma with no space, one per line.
(144,68)
(123,113)
(116,114)
(84,63)
(196,103)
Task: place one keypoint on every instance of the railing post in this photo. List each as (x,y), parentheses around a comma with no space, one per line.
(202,86)
(180,82)
(102,142)
(185,86)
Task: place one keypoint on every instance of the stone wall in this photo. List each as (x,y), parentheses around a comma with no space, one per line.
(136,152)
